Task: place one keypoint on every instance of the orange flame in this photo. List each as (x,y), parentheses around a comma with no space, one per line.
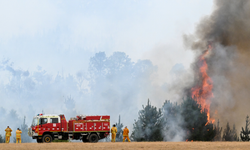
(203,93)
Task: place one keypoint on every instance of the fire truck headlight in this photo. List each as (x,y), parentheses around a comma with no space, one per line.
(36,131)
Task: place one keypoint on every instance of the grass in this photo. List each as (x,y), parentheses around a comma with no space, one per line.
(60,141)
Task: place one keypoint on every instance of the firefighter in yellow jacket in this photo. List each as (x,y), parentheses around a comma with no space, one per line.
(18,136)
(7,134)
(125,134)
(113,132)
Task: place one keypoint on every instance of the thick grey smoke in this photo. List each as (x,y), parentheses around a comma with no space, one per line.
(173,123)
(227,29)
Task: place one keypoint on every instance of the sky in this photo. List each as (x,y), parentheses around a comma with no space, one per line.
(60,37)
(63,35)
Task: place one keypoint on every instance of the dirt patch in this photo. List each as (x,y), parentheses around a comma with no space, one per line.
(130,146)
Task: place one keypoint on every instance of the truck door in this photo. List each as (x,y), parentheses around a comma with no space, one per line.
(43,125)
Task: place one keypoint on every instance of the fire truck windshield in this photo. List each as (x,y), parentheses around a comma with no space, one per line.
(34,122)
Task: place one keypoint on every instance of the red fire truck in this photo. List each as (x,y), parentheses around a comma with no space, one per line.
(46,128)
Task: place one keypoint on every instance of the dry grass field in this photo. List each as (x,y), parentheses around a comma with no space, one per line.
(130,146)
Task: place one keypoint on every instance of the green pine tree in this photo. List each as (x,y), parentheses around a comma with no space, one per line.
(244,135)
(24,135)
(14,138)
(227,134)
(119,134)
(1,139)
(148,126)
(218,131)
(234,134)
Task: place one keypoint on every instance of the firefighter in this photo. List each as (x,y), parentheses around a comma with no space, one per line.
(18,136)
(113,131)
(7,134)
(125,134)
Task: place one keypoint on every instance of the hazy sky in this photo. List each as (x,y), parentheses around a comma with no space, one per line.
(62,35)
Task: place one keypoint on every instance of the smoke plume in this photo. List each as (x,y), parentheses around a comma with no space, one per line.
(227,30)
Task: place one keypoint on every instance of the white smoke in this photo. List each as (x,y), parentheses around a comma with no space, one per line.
(113,85)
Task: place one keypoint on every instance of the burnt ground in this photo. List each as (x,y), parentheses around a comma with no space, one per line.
(130,146)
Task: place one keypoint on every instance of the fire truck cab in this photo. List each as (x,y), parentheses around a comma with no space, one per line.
(46,128)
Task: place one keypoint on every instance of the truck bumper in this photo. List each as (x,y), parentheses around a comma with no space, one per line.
(32,134)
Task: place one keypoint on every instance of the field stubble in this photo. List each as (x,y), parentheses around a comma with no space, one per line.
(129,146)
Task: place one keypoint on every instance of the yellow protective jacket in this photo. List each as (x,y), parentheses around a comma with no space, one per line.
(125,132)
(18,133)
(113,130)
(8,132)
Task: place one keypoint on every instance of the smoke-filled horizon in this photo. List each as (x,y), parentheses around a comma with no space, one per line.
(113,85)
(66,60)
(227,30)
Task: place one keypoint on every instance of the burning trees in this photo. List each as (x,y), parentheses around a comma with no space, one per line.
(196,122)
(202,91)
(174,122)
(244,135)
(186,121)
(221,74)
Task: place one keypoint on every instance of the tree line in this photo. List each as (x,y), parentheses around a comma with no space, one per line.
(177,122)
(172,122)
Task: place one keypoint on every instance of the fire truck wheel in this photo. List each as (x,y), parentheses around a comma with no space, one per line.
(39,140)
(47,138)
(93,138)
(85,140)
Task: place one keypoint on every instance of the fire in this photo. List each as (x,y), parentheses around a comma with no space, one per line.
(203,93)
(187,140)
